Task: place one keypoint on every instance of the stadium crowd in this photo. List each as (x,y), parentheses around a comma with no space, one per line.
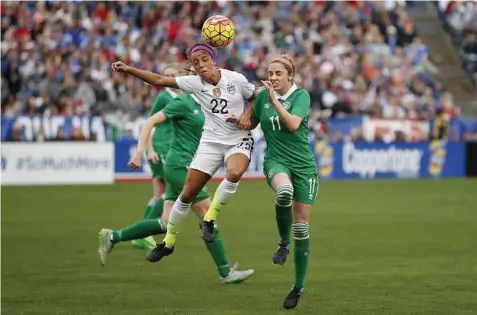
(460,20)
(355,58)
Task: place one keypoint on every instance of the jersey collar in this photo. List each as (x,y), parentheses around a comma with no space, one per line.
(171,92)
(290,91)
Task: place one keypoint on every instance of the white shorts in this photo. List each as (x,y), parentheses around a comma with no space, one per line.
(209,157)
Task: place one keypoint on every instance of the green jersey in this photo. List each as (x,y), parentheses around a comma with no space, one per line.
(291,149)
(187,121)
(161,137)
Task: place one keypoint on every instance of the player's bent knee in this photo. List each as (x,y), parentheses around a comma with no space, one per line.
(284,195)
(300,231)
(234,175)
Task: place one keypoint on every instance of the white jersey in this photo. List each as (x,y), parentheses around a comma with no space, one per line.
(228,97)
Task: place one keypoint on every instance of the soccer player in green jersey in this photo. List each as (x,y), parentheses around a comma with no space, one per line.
(160,138)
(282,109)
(187,120)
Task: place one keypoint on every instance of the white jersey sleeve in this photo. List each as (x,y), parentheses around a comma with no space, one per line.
(189,84)
(246,88)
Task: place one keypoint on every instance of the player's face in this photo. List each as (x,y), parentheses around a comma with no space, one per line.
(170,72)
(279,77)
(203,64)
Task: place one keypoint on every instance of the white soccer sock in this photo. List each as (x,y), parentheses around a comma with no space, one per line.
(179,212)
(224,192)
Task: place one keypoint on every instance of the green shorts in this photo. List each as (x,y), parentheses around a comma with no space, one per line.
(157,169)
(305,184)
(175,179)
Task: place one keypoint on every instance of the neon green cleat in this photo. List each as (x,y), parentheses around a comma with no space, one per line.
(145,243)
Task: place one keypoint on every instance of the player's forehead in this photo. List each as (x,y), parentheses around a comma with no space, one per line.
(171,71)
(276,66)
(199,54)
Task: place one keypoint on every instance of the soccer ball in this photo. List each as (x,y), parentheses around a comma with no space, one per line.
(218,31)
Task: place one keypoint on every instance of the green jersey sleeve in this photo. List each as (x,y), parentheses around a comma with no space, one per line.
(175,109)
(302,104)
(159,102)
(257,105)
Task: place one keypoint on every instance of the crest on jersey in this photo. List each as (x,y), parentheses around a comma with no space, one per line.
(286,105)
(230,87)
(216,92)
(270,173)
(267,105)
(196,111)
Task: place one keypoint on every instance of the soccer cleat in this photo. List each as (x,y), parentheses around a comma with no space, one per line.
(280,256)
(105,245)
(237,276)
(145,243)
(208,231)
(159,252)
(292,299)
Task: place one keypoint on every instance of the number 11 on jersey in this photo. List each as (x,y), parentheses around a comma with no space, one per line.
(275,123)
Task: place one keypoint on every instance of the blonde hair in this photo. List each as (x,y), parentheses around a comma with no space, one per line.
(287,62)
(177,66)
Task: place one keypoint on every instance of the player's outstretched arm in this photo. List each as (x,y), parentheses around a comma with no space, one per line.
(292,122)
(146,76)
(143,141)
(151,153)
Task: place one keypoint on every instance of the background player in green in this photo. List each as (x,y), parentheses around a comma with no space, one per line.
(187,121)
(160,138)
(282,110)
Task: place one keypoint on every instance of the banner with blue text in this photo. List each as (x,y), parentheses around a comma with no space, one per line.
(347,160)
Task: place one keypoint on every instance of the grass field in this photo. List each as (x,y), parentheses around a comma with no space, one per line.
(378,247)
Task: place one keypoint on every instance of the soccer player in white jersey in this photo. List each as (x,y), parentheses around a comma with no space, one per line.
(221,93)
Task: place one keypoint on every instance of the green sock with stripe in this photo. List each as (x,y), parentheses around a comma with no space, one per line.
(139,230)
(157,209)
(301,252)
(283,212)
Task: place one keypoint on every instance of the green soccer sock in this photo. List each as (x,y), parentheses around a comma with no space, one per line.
(157,209)
(301,252)
(283,212)
(149,206)
(217,251)
(139,230)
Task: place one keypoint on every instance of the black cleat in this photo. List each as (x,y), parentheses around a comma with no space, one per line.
(159,252)
(292,299)
(280,256)
(208,231)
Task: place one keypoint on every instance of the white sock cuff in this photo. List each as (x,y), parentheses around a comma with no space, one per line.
(152,201)
(229,186)
(300,231)
(181,206)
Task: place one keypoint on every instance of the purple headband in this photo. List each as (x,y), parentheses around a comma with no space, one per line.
(204,47)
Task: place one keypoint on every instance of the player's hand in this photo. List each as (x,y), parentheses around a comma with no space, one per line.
(136,161)
(244,122)
(120,66)
(232,119)
(268,86)
(153,157)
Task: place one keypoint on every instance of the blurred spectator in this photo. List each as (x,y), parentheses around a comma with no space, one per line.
(441,128)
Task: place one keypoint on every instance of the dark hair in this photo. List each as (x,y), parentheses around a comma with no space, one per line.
(204,47)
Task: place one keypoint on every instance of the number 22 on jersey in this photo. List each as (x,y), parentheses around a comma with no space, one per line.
(219,106)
